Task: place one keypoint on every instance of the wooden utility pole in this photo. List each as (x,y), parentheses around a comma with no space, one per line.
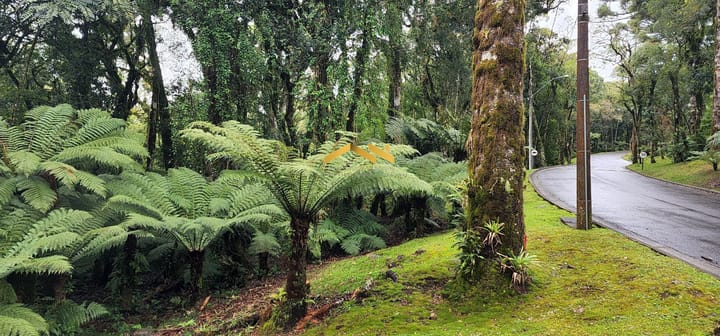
(582,129)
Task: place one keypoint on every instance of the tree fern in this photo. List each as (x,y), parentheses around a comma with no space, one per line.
(302,186)
(183,207)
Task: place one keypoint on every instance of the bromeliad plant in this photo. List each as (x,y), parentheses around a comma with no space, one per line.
(493,234)
(518,266)
(303,187)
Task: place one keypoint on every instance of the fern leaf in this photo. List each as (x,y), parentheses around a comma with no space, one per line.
(264,243)
(7,189)
(7,293)
(131,205)
(17,320)
(37,193)
(44,126)
(54,264)
(70,315)
(26,163)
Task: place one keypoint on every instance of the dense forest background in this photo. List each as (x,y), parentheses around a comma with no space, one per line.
(115,181)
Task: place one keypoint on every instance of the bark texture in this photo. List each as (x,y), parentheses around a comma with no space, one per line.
(495,142)
(296,287)
(716,100)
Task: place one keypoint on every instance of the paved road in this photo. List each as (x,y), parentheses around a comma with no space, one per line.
(674,220)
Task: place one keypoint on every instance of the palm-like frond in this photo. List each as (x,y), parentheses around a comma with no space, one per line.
(713,142)
(53,144)
(264,242)
(182,206)
(17,320)
(69,316)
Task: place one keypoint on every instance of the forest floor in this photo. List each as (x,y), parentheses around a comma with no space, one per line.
(593,282)
(695,173)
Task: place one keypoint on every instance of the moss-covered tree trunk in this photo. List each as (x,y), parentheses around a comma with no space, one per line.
(495,142)
(296,287)
(716,100)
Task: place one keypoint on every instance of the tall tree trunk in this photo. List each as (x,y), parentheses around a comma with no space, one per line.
(296,287)
(495,143)
(159,98)
(716,97)
(320,120)
(289,119)
(679,136)
(360,60)
(394,55)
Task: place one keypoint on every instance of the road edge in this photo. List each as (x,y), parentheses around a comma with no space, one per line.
(699,264)
(672,182)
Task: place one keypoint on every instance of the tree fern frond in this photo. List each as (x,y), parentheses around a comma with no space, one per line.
(17,320)
(98,127)
(44,126)
(7,189)
(263,242)
(132,205)
(101,156)
(25,162)
(44,244)
(7,293)
(100,240)
(357,243)
(161,251)
(713,142)
(54,264)
(91,182)
(189,191)
(37,193)
(70,315)
(325,232)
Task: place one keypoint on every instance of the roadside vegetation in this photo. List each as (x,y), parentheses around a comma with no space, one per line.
(695,173)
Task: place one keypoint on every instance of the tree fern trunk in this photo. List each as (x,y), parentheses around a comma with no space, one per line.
(196,259)
(263,264)
(495,142)
(127,273)
(296,286)
(59,282)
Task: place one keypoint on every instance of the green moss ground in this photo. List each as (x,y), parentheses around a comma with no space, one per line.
(587,283)
(695,173)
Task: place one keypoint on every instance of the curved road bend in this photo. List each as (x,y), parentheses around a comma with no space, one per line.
(674,220)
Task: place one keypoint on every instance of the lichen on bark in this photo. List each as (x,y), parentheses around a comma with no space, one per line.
(495,142)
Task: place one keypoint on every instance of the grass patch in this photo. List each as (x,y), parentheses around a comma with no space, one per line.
(587,283)
(695,173)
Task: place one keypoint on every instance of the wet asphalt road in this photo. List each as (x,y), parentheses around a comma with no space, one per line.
(674,220)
